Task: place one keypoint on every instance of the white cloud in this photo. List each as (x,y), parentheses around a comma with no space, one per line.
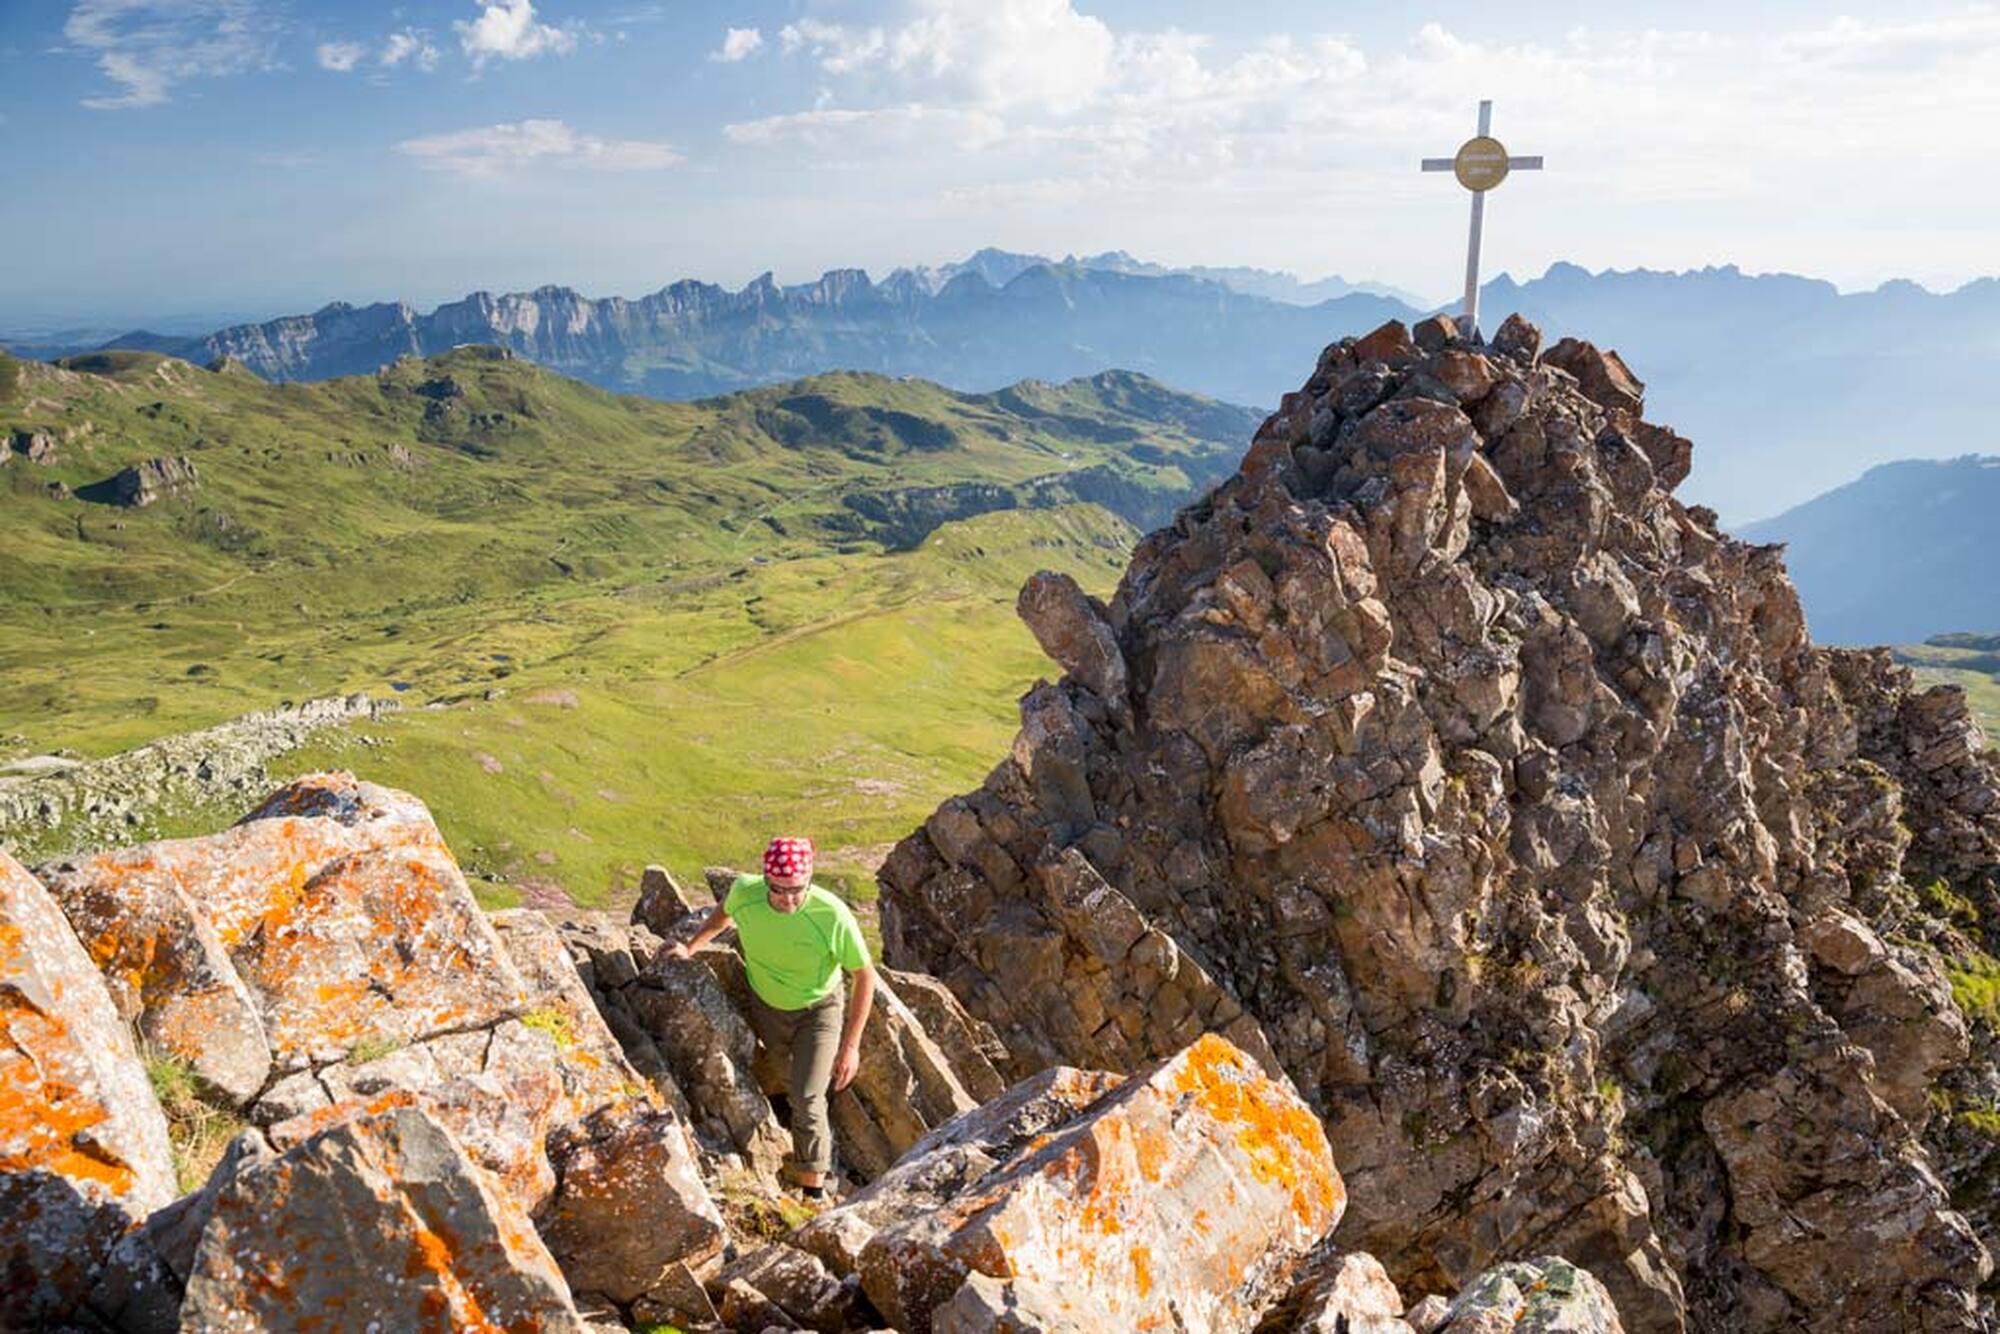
(508,30)
(738,44)
(498,150)
(147,46)
(410,45)
(340,57)
(874,127)
(997,53)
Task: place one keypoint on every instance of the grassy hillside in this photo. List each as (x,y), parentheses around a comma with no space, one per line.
(696,621)
(1967,660)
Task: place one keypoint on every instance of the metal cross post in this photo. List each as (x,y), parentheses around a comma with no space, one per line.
(1481,164)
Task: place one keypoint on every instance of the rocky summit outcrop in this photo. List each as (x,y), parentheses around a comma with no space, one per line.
(1445,756)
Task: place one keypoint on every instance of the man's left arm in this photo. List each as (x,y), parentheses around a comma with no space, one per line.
(848,1062)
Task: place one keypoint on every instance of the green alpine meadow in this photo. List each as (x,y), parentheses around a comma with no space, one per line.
(619,630)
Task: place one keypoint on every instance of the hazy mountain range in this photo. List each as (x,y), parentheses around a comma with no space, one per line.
(1902,554)
(1787,386)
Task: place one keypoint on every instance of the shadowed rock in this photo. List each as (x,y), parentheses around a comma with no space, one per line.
(632,1204)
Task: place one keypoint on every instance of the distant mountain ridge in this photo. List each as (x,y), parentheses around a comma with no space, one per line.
(1000,267)
(694,339)
(1838,382)
(1902,554)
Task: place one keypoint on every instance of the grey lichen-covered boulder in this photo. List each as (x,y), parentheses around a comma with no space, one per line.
(379,1222)
(84,1153)
(1548,1295)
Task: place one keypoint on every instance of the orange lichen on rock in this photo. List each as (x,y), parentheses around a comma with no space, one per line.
(1138,1175)
(170,924)
(380,944)
(379,1221)
(1282,1140)
(83,1144)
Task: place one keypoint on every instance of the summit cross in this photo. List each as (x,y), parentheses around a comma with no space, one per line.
(1480,164)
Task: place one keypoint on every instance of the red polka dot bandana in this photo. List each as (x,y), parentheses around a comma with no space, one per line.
(788,858)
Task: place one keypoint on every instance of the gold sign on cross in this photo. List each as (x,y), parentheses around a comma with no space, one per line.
(1480,164)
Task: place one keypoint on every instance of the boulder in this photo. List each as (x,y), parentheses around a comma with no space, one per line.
(1435,332)
(1339,1292)
(1548,1295)
(783,1286)
(975,1051)
(1069,624)
(1517,338)
(903,1087)
(987,1305)
(664,907)
(1602,375)
(332,915)
(631,1205)
(34,446)
(380,1222)
(382,945)
(144,483)
(501,1122)
(711,1051)
(1186,1195)
(952,1160)
(167,969)
(83,1144)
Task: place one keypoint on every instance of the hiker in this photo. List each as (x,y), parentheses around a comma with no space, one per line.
(796,938)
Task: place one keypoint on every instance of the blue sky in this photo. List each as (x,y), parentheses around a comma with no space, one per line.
(252,157)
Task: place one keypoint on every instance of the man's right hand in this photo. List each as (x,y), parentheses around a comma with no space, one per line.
(677,950)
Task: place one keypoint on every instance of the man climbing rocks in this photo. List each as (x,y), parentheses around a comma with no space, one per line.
(796,939)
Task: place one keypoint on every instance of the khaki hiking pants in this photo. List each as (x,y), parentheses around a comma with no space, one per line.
(804,1043)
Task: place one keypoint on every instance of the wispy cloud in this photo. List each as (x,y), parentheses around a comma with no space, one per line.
(409,45)
(498,150)
(146,47)
(830,127)
(509,30)
(737,44)
(340,57)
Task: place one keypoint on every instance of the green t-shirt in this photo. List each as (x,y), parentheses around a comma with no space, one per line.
(794,959)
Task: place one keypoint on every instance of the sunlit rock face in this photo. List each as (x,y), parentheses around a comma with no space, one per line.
(1455,768)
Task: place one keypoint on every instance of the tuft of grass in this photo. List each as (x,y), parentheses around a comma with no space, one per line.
(199,1125)
(1942,901)
(753,1211)
(1984,1120)
(1975,987)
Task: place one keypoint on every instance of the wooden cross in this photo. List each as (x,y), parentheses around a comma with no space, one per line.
(1481,164)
